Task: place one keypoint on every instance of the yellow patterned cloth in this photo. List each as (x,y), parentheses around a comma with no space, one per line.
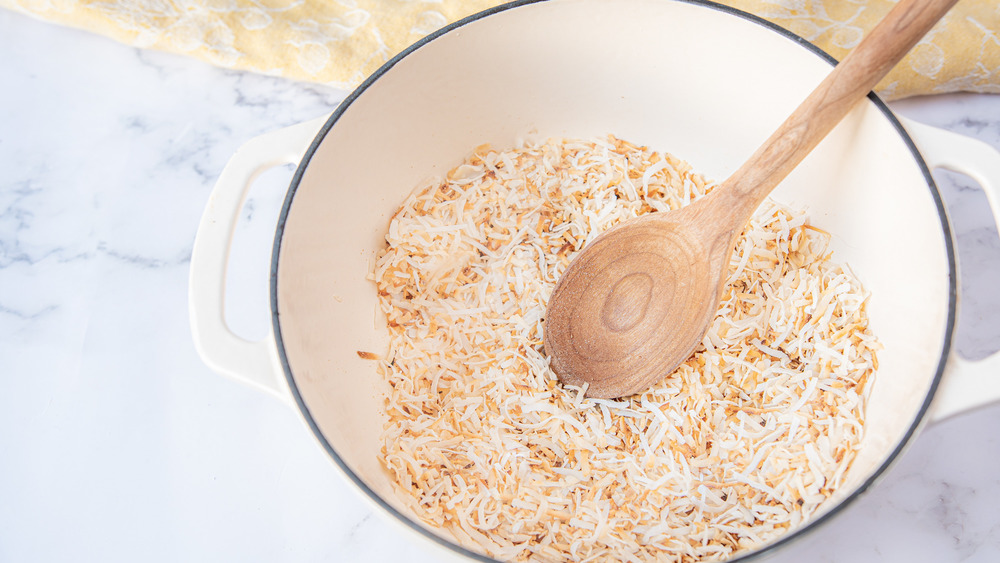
(340,42)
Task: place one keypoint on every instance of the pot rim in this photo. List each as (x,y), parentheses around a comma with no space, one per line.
(768,549)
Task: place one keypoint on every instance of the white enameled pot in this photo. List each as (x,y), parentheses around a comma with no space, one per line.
(704,82)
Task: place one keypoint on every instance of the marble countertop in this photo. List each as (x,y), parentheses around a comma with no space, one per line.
(118,444)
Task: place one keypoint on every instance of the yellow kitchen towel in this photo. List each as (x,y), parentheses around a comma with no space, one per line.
(340,42)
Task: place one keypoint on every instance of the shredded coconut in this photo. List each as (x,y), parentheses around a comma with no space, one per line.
(743,442)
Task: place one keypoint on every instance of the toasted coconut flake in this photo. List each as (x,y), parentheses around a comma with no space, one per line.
(742,443)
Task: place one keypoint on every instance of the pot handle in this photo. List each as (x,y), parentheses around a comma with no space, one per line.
(252,362)
(967,384)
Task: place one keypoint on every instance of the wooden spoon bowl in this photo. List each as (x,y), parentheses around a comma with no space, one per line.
(655,287)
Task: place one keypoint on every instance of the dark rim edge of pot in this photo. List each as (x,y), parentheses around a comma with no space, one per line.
(769,548)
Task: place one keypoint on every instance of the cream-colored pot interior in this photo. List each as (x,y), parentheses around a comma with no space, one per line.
(695,80)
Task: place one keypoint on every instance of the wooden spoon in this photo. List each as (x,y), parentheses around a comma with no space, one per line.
(637,301)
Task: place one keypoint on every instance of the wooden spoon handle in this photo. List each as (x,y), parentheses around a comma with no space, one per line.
(850,81)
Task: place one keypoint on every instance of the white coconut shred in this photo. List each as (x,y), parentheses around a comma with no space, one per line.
(746,440)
